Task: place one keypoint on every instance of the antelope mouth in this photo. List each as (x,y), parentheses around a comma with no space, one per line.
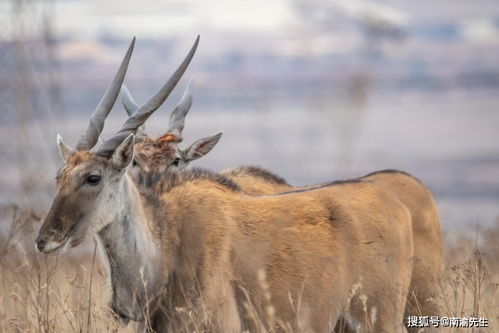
(71,239)
(53,246)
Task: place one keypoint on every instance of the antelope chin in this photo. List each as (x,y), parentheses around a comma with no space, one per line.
(61,247)
(53,246)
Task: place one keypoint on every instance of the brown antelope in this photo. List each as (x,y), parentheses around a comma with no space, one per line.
(164,156)
(193,241)
(55,232)
(192,252)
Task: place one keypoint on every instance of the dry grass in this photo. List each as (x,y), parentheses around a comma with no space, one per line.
(41,293)
(469,287)
(68,293)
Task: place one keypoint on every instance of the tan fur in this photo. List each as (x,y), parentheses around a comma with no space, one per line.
(220,255)
(428,247)
(313,247)
(428,258)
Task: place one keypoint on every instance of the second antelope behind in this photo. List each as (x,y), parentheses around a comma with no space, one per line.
(163,157)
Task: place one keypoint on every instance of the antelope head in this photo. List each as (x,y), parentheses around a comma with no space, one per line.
(163,154)
(89,182)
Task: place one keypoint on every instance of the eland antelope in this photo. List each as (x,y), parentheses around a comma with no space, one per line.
(192,252)
(197,253)
(67,222)
(163,156)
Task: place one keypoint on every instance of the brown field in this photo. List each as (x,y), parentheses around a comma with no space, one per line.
(68,293)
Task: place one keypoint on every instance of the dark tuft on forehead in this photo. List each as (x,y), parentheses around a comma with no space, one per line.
(167,138)
(155,150)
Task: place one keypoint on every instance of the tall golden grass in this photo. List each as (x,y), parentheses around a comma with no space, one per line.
(69,293)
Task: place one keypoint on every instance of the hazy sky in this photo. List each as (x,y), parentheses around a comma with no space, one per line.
(163,18)
(86,19)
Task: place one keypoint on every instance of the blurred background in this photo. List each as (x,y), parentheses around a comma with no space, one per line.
(311,90)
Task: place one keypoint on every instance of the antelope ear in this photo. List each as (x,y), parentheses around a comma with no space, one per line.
(201,147)
(64,149)
(123,154)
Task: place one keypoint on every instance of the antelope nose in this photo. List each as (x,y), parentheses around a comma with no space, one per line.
(40,242)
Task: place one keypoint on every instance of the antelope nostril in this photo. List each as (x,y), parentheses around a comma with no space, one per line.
(40,242)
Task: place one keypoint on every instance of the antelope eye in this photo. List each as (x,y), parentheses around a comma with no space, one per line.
(93,180)
(176,161)
(134,162)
